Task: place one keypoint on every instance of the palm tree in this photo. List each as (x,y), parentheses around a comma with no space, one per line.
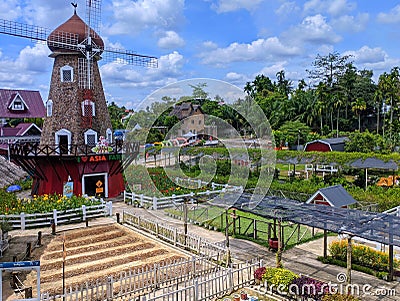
(358,107)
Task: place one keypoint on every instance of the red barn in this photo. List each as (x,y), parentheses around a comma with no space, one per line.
(326,145)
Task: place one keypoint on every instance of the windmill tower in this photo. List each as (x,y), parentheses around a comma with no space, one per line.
(76,148)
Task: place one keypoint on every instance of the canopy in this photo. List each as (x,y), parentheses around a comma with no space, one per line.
(374,163)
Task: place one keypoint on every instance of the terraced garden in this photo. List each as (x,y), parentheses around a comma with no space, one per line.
(95,253)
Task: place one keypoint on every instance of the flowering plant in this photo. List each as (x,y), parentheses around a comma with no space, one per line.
(259,272)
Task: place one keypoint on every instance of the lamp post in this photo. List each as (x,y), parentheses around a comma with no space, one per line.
(298,140)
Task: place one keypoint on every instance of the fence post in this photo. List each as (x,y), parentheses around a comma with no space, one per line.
(83,212)
(175,236)
(22,216)
(155,203)
(199,183)
(109,288)
(109,207)
(124,196)
(141,200)
(230,280)
(198,244)
(255,229)
(133,196)
(196,290)
(55,217)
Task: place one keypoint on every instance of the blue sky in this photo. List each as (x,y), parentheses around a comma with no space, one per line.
(228,40)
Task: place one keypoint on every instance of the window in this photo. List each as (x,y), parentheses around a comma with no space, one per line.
(192,121)
(199,121)
(109,135)
(67,74)
(49,108)
(88,108)
(17,103)
(90,137)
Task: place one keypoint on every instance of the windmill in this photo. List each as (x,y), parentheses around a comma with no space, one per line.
(77,115)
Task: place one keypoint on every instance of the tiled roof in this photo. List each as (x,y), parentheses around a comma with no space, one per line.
(32,99)
(184,110)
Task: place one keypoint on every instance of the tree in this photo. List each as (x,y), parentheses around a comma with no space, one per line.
(358,107)
(294,132)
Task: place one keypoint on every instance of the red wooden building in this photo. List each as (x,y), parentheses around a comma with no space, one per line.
(334,196)
(326,145)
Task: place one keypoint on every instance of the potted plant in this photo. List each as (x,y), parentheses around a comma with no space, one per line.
(5,227)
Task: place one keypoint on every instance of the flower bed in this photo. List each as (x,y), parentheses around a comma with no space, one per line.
(287,283)
(10,204)
(362,255)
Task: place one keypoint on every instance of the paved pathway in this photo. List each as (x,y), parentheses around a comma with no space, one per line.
(300,259)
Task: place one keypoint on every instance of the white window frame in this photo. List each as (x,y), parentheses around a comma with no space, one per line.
(66,68)
(88,101)
(18,98)
(109,135)
(49,108)
(63,132)
(91,132)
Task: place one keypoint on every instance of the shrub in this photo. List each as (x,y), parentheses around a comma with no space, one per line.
(279,277)
(361,255)
(308,287)
(259,272)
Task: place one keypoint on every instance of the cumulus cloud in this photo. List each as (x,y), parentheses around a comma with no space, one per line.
(259,50)
(10,9)
(26,68)
(391,17)
(332,7)
(131,17)
(224,6)
(375,59)
(170,40)
(313,29)
(122,75)
(349,23)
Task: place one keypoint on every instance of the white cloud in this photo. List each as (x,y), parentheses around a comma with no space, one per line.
(224,6)
(313,29)
(170,40)
(392,17)
(10,10)
(259,50)
(349,23)
(287,8)
(122,75)
(26,68)
(368,55)
(333,7)
(134,16)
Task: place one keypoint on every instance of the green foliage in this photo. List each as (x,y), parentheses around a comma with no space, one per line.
(279,277)
(294,132)
(361,255)
(365,142)
(10,204)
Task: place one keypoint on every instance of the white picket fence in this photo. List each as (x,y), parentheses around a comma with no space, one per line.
(177,237)
(27,221)
(156,203)
(208,286)
(128,285)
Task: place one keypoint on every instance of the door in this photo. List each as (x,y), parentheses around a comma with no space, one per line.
(95,185)
(63,144)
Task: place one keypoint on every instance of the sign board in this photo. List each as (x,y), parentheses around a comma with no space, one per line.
(21,266)
(68,189)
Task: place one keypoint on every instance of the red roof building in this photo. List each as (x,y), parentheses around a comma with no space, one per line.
(15,104)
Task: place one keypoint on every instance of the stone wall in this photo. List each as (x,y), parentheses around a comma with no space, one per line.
(67,98)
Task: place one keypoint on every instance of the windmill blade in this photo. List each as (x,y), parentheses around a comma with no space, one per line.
(59,39)
(129,57)
(93,15)
(24,30)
